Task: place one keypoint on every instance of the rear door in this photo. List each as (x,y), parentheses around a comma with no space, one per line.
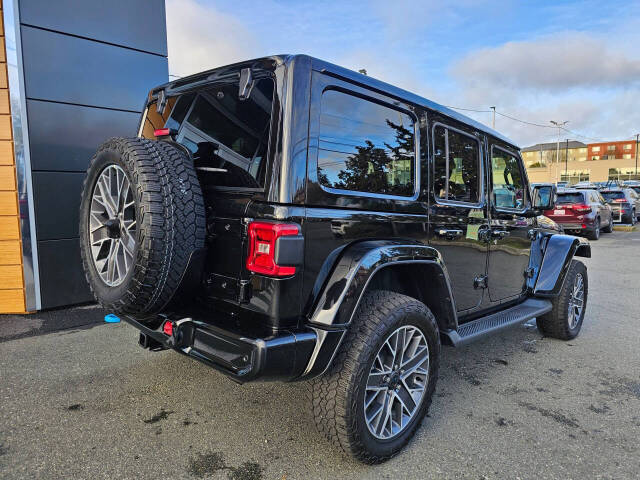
(510,241)
(458,210)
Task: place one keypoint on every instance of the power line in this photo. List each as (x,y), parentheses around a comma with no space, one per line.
(515,119)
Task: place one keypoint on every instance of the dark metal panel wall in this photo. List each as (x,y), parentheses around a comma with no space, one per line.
(67,69)
(88,65)
(65,136)
(138,24)
(63,283)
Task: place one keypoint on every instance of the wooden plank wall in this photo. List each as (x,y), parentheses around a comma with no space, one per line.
(11,275)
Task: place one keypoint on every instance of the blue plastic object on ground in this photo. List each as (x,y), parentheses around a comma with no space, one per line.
(111,318)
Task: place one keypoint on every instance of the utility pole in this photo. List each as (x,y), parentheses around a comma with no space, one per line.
(493,124)
(560,125)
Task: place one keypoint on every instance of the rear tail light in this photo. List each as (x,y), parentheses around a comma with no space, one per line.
(620,200)
(581,208)
(262,248)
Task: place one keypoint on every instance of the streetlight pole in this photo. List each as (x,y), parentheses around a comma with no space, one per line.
(566,158)
(637,135)
(559,125)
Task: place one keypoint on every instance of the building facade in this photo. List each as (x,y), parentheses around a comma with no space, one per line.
(579,162)
(72,74)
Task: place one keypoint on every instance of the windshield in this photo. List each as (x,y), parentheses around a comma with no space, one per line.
(610,196)
(570,198)
(228,137)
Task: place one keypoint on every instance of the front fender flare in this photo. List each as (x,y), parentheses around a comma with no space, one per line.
(558,253)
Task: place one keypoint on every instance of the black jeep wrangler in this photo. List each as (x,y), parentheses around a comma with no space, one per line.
(288,219)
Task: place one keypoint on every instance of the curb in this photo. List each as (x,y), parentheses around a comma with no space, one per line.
(624,228)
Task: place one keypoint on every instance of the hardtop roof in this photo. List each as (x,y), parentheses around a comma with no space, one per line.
(355,77)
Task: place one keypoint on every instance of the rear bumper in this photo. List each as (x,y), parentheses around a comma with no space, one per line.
(278,357)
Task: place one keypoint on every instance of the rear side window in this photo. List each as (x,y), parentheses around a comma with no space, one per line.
(365,146)
(456,165)
(570,198)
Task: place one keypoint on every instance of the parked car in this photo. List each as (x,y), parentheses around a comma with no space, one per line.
(581,211)
(625,204)
(286,219)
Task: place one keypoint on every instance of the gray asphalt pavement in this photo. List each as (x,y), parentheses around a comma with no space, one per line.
(91,404)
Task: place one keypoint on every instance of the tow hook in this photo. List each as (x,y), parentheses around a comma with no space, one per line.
(180,332)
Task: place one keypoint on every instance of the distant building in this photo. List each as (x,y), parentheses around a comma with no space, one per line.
(579,162)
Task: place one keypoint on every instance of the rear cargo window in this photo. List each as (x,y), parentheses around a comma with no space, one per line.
(609,196)
(365,146)
(570,198)
(228,137)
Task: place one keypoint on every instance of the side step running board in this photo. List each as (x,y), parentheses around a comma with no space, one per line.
(516,315)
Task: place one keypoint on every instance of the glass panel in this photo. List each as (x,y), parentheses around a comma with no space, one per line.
(609,196)
(570,198)
(365,147)
(456,166)
(508,184)
(225,134)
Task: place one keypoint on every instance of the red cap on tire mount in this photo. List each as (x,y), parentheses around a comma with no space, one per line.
(167,328)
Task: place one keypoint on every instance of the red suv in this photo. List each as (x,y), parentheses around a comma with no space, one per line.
(584,212)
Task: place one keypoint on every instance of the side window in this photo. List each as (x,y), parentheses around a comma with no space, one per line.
(456,165)
(602,200)
(365,146)
(508,184)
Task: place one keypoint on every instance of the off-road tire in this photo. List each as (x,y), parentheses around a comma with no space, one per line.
(337,397)
(555,323)
(170,219)
(595,233)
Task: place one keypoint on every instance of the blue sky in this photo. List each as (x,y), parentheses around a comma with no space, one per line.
(572,60)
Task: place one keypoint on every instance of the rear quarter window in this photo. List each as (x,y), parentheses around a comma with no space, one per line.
(365,146)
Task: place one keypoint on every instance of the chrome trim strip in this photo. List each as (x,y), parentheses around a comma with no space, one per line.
(20,128)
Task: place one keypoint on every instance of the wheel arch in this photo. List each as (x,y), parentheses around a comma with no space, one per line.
(558,253)
(414,270)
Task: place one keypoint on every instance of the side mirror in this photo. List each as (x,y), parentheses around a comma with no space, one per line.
(544,197)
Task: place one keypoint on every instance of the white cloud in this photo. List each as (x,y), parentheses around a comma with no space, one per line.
(200,38)
(555,62)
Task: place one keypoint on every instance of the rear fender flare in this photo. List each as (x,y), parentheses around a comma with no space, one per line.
(345,286)
(558,253)
(347,283)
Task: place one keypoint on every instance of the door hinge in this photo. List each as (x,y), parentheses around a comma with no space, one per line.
(529,272)
(481,281)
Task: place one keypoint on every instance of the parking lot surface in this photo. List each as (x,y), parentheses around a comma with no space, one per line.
(91,404)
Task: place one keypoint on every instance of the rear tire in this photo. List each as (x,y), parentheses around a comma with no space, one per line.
(564,321)
(338,397)
(595,233)
(609,227)
(161,222)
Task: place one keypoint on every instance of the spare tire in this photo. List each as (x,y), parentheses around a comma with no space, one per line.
(142,217)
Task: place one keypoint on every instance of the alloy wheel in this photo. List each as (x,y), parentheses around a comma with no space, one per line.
(576,301)
(396,383)
(112,225)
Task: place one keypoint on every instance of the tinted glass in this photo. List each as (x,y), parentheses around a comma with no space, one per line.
(456,166)
(226,133)
(365,147)
(570,198)
(609,196)
(508,184)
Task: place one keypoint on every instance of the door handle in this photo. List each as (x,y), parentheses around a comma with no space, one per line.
(449,233)
(499,234)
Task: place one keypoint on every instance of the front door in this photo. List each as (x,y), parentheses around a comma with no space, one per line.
(510,232)
(458,211)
